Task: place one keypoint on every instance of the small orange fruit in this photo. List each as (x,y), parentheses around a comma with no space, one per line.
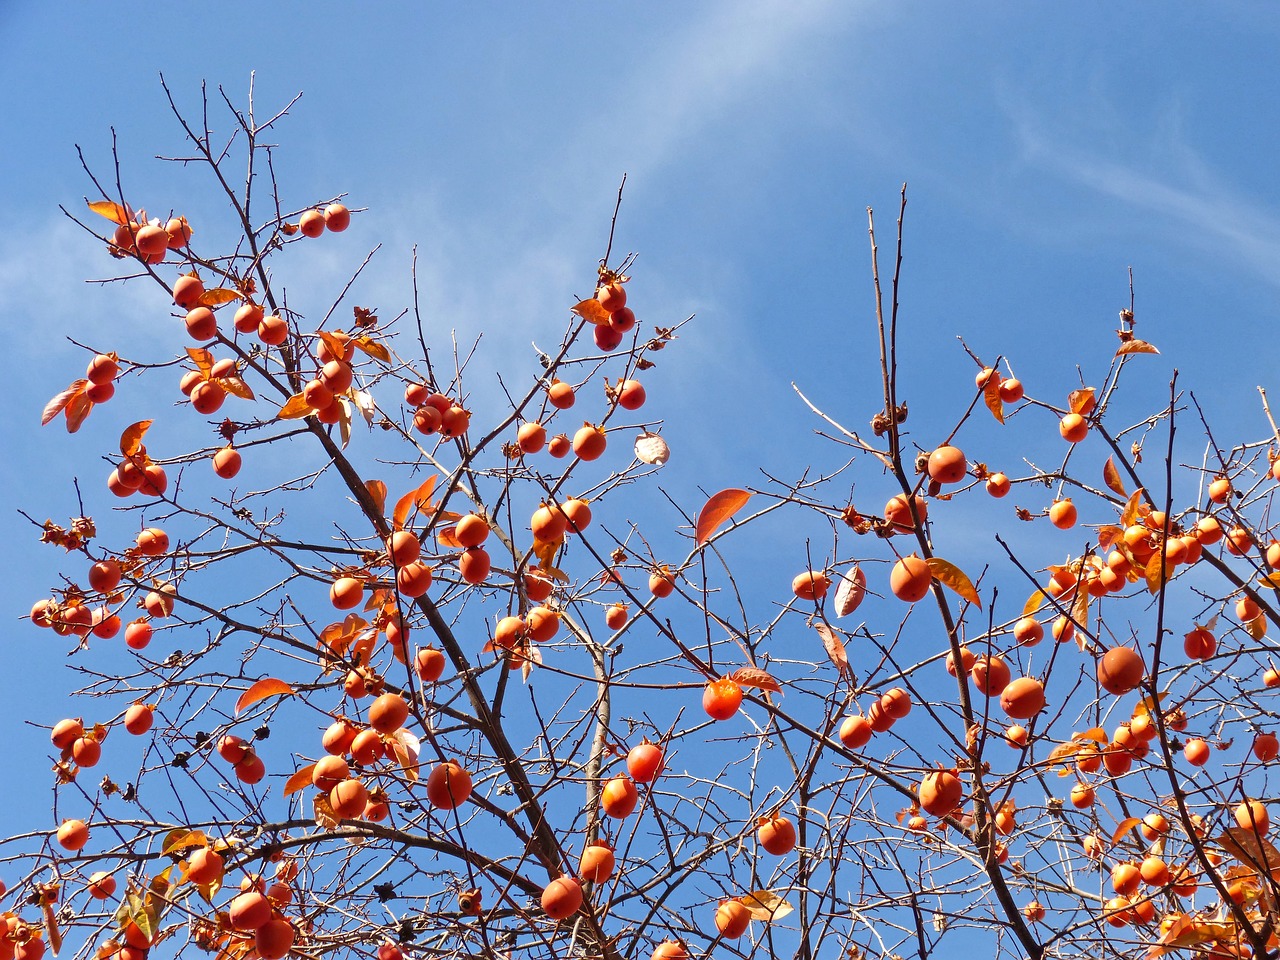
(1073,428)
(998,485)
(561,898)
(597,863)
(721,698)
(311,223)
(531,437)
(346,593)
(337,217)
(940,793)
(947,464)
(448,786)
(776,834)
(1120,670)
(1063,514)
(589,442)
(619,797)
(810,585)
(560,394)
(733,917)
(910,579)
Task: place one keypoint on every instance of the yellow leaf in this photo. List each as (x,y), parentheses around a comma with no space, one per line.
(219,296)
(716,511)
(1271,581)
(373,348)
(295,408)
(202,358)
(755,677)
(235,386)
(991,396)
(1112,477)
(1108,535)
(131,439)
(266,687)
(592,310)
(1130,511)
(112,211)
(1152,572)
(184,839)
(766,905)
(1034,602)
(546,554)
(1135,346)
(950,575)
(324,815)
(300,780)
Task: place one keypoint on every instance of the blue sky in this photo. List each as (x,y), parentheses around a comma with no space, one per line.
(1046,150)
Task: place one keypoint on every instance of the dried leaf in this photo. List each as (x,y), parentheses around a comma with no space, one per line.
(420,496)
(1250,849)
(834,645)
(300,780)
(991,396)
(755,677)
(948,574)
(344,420)
(1271,581)
(181,839)
(1108,535)
(1082,401)
(652,449)
(218,296)
(766,905)
(546,554)
(363,401)
(406,748)
(52,932)
(324,815)
(1135,346)
(850,591)
(112,211)
(592,310)
(1123,827)
(77,409)
(339,636)
(1257,627)
(716,511)
(266,687)
(202,358)
(60,401)
(1112,477)
(378,491)
(295,408)
(335,342)
(131,439)
(373,348)
(235,386)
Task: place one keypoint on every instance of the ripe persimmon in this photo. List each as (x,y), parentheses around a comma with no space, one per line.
(1063,514)
(273,330)
(560,394)
(733,917)
(205,865)
(202,324)
(1196,752)
(73,834)
(1199,644)
(662,582)
(274,939)
(367,748)
(997,485)
(597,862)
(670,950)
(1073,428)
(474,565)
(990,675)
(429,663)
(337,217)
(897,512)
(178,231)
(577,514)
(548,523)
(448,786)
(721,698)
(589,442)
(1266,747)
(207,397)
(1011,390)
(346,593)
(249,911)
(616,616)
(776,834)
(1252,815)
(414,579)
(311,223)
(138,718)
(612,296)
(531,437)
(1028,631)
(606,337)
(619,797)
(561,898)
(947,464)
(810,585)
(910,579)
(66,732)
(940,793)
(227,462)
(644,761)
(1023,698)
(631,394)
(855,732)
(348,798)
(1120,670)
(388,713)
(559,446)
(542,623)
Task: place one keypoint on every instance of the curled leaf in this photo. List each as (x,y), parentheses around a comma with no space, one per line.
(1112,477)
(766,905)
(236,387)
(182,839)
(652,449)
(851,591)
(1135,346)
(1130,511)
(300,780)
(60,401)
(202,358)
(77,409)
(378,491)
(1123,827)
(716,511)
(421,497)
(591,309)
(834,645)
(217,297)
(373,348)
(267,687)
(325,818)
(295,408)
(755,677)
(1250,849)
(1082,401)
(131,438)
(950,575)
(991,396)
(1034,603)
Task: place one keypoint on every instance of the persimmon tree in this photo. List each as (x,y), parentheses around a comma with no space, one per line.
(363,674)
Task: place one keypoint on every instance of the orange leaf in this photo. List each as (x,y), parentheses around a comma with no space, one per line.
(1152,572)
(300,780)
(950,575)
(235,386)
(219,296)
(851,591)
(991,396)
(1082,401)
(755,677)
(59,402)
(1250,849)
(1270,581)
(834,645)
(112,211)
(448,536)
(1125,825)
(76,410)
(1257,627)
(546,554)
(378,490)
(421,496)
(592,310)
(295,408)
(373,348)
(131,439)
(337,344)
(182,839)
(1135,346)
(1109,534)
(1130,511)
(202,358)
(1112,477)
(716,511)
(267,687)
